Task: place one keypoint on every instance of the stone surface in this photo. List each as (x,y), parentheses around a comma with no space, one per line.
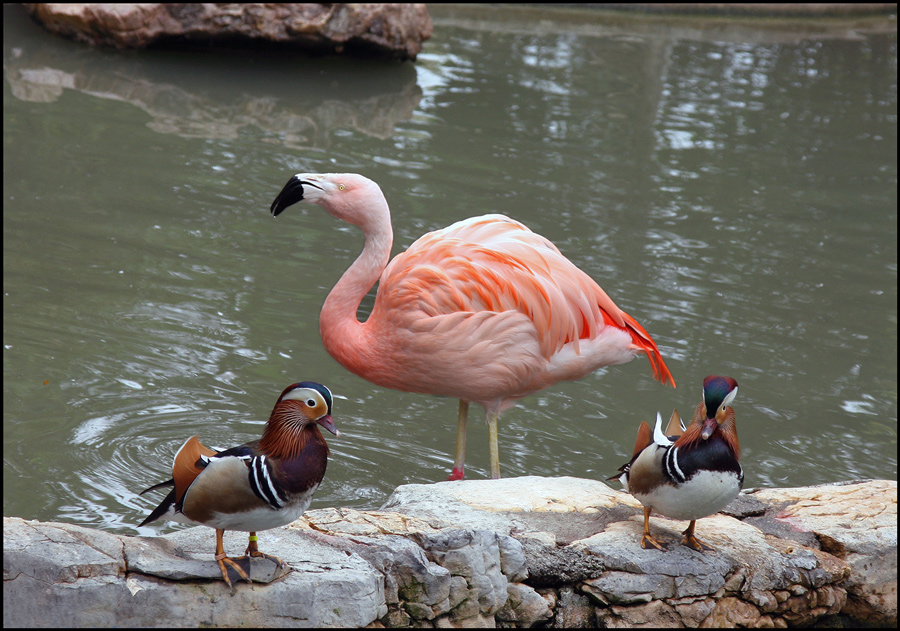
(86,578)
(386,30)
(556,552)
(186,555)
(475,556)
(524,606)
(857,523)
(528,504)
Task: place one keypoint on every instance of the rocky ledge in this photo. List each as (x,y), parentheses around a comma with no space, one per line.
(518,552)
(385,30)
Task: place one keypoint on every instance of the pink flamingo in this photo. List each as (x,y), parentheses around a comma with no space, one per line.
(484,310)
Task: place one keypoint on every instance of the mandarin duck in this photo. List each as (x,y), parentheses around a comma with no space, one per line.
(259,485)
(688,473)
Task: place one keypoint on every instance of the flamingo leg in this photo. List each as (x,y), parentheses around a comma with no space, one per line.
(223,559)
(459,463)
(494,447)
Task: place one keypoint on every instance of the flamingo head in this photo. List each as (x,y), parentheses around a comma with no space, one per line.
(349,196)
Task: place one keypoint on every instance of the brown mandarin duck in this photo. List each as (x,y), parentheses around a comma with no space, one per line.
(259,485)
(688,473)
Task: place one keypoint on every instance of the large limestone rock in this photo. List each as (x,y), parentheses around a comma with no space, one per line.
(584,534)
(66,575)
(385,30)
(856,523)
(558,552)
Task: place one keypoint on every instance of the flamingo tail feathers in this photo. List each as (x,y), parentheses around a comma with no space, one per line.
(645,343)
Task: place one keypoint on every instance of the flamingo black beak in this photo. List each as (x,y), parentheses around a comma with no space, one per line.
(290,194)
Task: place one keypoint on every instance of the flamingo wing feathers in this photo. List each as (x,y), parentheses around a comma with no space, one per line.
(496,264)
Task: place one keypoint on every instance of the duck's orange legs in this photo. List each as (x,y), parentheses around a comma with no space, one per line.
(223,559)
(691,541)
(253,551)
(647,541)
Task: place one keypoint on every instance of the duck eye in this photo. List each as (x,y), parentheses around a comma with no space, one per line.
(311,403)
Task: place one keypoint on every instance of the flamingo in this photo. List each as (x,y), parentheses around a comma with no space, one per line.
(484,310)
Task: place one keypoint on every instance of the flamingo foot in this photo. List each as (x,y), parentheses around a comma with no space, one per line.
(457,473)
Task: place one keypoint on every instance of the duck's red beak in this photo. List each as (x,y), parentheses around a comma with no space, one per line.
(709,426)
(328,423)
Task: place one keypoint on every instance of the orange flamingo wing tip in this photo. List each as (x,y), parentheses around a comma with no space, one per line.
(660,370)
(643,342)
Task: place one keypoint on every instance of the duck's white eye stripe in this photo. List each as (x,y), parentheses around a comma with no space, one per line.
(729,398)
(303,395)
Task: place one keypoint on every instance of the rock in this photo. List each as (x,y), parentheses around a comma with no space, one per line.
(557,552)
(655,614)
(421,588)
(524,606)
(172,557)
(512,559)
(475,556)
(691,611)
(386,30)
(59,553)
(86,575)
(596,546)
(855,522)
(573,611)
(637,575)
(526,505)
(734,612)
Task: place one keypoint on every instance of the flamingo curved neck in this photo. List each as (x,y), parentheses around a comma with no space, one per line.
(346,338)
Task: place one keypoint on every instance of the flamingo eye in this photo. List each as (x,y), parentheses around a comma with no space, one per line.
(340,187)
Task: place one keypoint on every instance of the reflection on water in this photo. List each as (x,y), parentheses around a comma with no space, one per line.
(194,95)
(733,188)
